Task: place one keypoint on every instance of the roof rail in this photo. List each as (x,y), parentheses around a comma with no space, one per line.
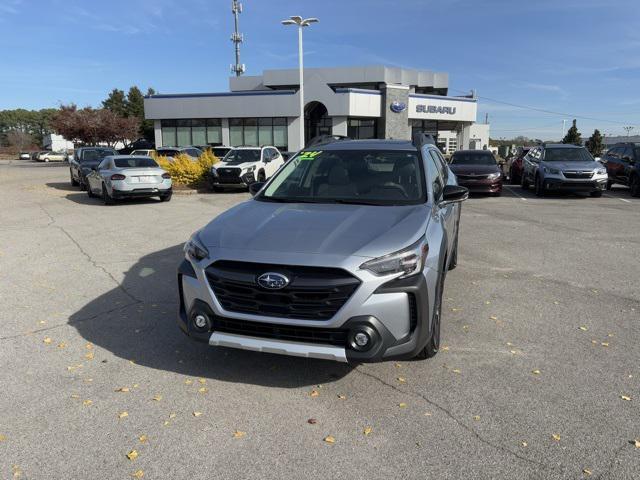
(420,139)
(326,139)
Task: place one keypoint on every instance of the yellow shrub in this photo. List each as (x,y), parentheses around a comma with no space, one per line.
(185,171)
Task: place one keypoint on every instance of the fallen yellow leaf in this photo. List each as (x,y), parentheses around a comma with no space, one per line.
(342,397)
(132,455)
(239,434)
(197,414)
(314,393)
(138,474)
(493,317)
(586,471)
(605,344)
(122,389)
(202,380)
(157,398)
(123,414)
(86,403)
(428,414)
(487,302)
(203,389)
(536,372)
(143,439)
(402,379)
(329,439)
(188,382)
(477,418)
(47,340)
(89,346)
(556,437)
(402,405)
(625,397)
(2,438)
(456,370)
(583,328)
(367,430)
(637,443)
(173,415)
(445,348)
(524,444)
(62,345)
(75,395)
(89,356)
(513,352)
(398,365)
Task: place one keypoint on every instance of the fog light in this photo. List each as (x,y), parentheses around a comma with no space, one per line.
(361,339)
(200,321)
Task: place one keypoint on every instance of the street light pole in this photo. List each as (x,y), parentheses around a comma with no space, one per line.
(301,23)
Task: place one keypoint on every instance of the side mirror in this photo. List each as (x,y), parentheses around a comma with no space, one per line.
(255,187)
(453,194)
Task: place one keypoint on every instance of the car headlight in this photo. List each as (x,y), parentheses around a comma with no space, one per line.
(494,176)
(601,171)
(214,172)
(407,261)
(195,249)
(251,169)
(552,171)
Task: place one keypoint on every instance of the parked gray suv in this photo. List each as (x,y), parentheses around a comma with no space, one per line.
(342,255)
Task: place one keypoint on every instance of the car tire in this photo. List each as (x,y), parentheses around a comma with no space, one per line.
(46,160)
(106,198)
(432,347)
(596,194)
(166,198)
(524,183)
(634,185)
(540,190)
(90,192)
(74,182)
(609,184)
(513,178)
(261,176)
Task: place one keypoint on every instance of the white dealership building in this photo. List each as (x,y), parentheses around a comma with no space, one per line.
(359,102)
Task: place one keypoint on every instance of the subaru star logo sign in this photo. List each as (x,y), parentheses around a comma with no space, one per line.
(273,281)
(398,107)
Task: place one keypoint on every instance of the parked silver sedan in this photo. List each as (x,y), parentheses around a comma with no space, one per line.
(127,176)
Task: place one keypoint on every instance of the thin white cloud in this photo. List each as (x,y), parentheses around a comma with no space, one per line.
(543,87)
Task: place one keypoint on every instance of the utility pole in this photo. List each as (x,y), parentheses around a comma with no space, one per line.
(628,129)
(237,38)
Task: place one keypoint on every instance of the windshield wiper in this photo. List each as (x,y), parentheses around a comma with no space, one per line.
(287,200)
(357,202)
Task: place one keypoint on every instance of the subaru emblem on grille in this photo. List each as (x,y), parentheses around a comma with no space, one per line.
(273,281)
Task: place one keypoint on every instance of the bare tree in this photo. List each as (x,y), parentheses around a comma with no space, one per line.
(93,126)
(19,139)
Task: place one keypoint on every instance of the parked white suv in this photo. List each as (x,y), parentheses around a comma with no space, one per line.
(243,166)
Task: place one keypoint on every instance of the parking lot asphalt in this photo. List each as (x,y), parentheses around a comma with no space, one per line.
(539,375)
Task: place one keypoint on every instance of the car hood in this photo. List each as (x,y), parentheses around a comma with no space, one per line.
(474,169)
(573,165)
(343,230)
(234,165)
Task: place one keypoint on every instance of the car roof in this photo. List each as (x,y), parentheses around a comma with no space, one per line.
(125,157)
(561,145)
(473,151)
(366,145)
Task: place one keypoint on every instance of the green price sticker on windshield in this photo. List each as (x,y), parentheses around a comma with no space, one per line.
(309,155)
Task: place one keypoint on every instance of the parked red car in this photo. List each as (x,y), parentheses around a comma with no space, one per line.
(477,170)
(515,170)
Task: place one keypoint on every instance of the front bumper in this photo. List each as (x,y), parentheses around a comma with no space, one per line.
(482,186)
(563,184)
(242,181)
(332,340)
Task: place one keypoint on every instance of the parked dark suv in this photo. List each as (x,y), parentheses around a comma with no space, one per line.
(623,166)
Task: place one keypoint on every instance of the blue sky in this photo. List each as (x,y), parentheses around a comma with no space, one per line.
(579,57)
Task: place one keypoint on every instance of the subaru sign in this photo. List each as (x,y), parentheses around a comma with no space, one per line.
(398,107)
(435,109)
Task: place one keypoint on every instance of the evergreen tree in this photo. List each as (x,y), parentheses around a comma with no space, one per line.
(594,144)
(135,103)
(573,135)
(116,102)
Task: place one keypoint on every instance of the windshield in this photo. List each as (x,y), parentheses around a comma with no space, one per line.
(473,158)
(367,177)
(138,162)
(96,155)
(567,155)
(235,157)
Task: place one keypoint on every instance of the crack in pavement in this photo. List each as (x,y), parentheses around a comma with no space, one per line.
(449,414)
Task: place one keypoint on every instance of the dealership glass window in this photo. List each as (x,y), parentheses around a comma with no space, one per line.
(183,133)
(168,133)
(235,132)
(198,132)
(265,131)
(214,131)
(251,132)
(280,138)
(362,128)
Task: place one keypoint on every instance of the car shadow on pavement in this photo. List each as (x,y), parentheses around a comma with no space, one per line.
(136,321)
(65,186)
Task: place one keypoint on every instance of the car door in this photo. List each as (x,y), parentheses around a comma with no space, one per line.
(437,233)
(613,163)
(449,212)
(276,160)
(267,163)
(626,164)
(73,164)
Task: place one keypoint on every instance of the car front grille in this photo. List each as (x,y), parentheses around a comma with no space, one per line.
(281,332)
(579,174)
(229,175)
(473,177)
(313,293)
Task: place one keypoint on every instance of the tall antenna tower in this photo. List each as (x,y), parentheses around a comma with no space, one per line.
(237,38)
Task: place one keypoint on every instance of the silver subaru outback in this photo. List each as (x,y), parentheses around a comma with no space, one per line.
(341,255)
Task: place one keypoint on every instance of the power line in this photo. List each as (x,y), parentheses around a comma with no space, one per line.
(542,110)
